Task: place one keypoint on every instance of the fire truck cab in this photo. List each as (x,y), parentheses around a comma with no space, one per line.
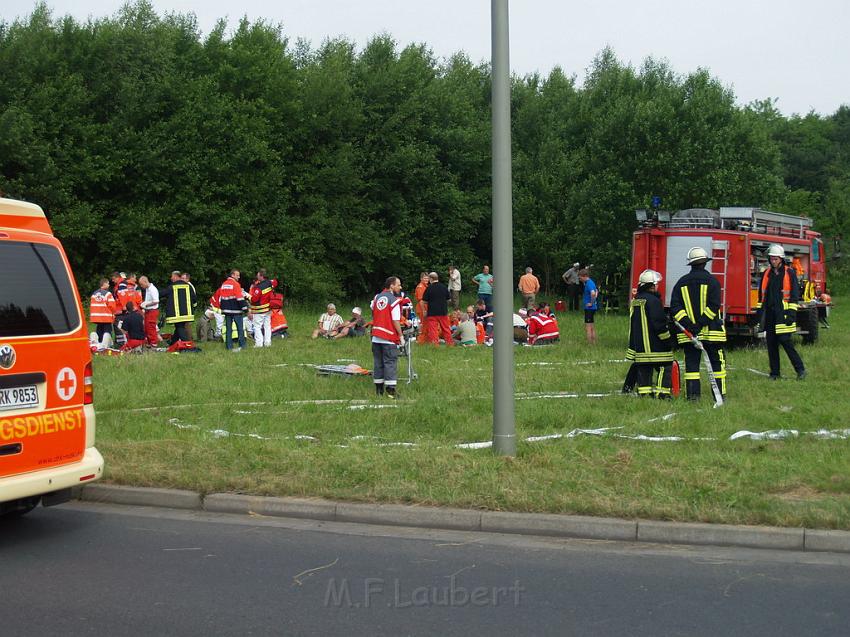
(737,239)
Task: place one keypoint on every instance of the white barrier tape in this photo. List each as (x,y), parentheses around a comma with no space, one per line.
(376,406)
(663,418)
(540,395)
(775,434)
(757,371)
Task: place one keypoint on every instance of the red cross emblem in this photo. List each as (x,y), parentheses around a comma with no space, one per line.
(66,383)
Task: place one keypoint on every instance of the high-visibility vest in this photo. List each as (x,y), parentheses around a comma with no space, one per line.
(789,298)
(786,285)
(261,293)
(127,292)
(180,304)
(102,307)
(382,320)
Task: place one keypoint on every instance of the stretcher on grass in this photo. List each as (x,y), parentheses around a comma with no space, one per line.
(351,369)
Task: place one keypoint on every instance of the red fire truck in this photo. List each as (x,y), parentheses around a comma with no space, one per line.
(737,239)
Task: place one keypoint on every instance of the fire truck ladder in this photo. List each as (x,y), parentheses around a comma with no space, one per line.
(719,267)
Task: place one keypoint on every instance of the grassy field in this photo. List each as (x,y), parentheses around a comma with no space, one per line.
(263,422)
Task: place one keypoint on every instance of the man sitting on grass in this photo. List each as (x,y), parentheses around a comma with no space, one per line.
(355,327)
(466,334)
(329,323)
(132,325)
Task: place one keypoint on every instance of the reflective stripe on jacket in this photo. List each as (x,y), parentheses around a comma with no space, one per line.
(790,299)
(382,316)
(231,297)
(542,327)
(649,338)
(261,294)
(102,307)
(695,303)
(179,303)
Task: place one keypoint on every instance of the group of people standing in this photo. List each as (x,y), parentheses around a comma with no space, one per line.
(696,309)
(126,309)
(136,309)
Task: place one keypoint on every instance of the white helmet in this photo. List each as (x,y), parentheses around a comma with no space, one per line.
(776,250)
(649,276)
(697,255)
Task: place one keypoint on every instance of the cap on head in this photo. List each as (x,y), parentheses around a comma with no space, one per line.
(649,276)
(357,311)
(776,250)
(522,311)
(576,264)
(697,255)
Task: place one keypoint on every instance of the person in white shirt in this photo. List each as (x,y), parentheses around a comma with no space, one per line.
(329,323)
(454,287)
(151,307)
(521,326)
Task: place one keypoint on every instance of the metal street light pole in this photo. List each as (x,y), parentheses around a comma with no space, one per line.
(504,432)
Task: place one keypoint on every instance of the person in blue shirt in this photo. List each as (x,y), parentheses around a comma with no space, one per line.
(591,293)
(484,281)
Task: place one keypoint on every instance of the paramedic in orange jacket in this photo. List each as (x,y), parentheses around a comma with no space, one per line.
(102,309)
(421,306)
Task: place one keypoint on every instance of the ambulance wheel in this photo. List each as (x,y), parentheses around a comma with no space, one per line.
(18,508)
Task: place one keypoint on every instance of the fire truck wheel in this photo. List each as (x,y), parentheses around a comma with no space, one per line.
(807,320)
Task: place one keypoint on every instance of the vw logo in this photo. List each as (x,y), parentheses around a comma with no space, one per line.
(7,356)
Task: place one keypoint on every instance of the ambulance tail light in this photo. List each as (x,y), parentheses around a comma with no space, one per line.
(88,386)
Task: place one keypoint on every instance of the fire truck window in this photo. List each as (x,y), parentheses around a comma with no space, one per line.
(36,295)
(815,250)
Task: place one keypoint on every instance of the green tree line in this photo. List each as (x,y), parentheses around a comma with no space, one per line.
(153,148)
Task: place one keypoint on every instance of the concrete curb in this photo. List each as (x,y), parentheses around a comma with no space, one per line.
(141,496)
(553,525)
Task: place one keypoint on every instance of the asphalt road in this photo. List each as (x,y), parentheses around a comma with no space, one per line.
(84,568)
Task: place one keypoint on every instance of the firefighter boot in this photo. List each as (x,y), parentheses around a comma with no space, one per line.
(379,389)
(693,389)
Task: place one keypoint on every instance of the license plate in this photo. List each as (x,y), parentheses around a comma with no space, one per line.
(17,397)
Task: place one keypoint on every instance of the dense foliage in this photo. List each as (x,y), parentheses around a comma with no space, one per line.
(153,148)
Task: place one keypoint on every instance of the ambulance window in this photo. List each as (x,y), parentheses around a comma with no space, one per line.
(815,250)
(36,295)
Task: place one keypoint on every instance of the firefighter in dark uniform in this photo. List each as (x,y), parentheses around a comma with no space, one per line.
(779,295)
(178,299)
(695,303)
(650,342)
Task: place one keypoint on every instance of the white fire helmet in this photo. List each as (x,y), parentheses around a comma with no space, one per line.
(776,250)
(697,255)
(649,276)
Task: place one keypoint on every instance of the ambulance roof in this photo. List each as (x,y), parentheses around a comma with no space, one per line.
(22,215)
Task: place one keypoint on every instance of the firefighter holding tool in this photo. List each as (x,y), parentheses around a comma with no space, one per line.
(695,307)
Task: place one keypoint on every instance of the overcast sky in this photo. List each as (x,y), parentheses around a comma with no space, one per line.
(798,52)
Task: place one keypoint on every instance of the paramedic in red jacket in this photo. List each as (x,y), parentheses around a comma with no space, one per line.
(542,327)
(386,337)
(231,297)
(261,294)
